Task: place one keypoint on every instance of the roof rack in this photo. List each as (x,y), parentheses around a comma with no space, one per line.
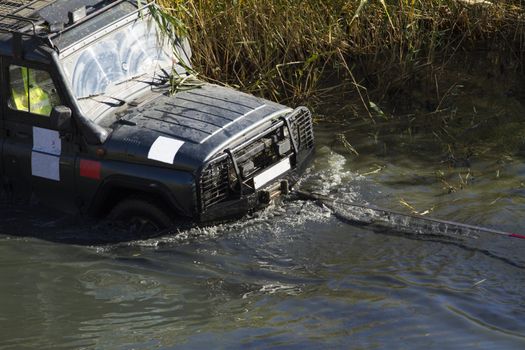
(24,18)
(22,7)
(19,16)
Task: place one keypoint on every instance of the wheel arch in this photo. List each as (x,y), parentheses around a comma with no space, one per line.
(117,188)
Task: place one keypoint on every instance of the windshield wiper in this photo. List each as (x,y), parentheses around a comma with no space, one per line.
(120,102)
(155,79)
(132,79)
(164,78)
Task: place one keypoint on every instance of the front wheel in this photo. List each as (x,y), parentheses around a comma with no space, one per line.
(139,216)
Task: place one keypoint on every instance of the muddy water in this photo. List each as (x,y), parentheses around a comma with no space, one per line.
(292,276)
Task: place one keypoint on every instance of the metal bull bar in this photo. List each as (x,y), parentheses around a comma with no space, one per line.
(285,122)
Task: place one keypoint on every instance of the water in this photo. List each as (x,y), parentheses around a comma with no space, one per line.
(292,276)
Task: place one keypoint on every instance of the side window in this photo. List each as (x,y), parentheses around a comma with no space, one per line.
(32,91)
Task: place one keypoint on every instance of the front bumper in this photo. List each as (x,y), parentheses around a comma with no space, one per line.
(259,199)
(227,186)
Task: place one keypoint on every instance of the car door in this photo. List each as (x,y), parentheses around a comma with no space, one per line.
(38,161)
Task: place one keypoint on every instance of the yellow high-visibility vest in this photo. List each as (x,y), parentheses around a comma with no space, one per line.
(39,102)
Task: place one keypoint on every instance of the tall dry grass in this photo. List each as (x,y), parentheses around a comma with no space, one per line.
(299,51)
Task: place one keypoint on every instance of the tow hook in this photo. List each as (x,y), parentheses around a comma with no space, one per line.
(272,192)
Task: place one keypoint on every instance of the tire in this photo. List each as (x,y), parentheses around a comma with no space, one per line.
(140,216)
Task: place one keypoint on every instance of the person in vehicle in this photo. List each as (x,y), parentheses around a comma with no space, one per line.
(26,92)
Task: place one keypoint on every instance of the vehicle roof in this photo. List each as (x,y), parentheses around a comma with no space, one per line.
(32,21)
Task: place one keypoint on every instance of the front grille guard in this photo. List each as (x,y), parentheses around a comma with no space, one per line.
(215,185)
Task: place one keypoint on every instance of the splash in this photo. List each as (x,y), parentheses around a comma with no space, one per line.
(328,176)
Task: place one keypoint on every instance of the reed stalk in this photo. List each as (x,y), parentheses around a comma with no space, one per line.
(297,51)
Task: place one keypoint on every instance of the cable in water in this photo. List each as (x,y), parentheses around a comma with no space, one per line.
(407,223)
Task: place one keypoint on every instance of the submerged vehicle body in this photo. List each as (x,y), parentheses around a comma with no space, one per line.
(90,121)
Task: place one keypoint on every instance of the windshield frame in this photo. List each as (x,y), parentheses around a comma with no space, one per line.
(101,32)
(137,48)
(173,47)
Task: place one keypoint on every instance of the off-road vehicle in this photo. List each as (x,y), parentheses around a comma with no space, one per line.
(90,121)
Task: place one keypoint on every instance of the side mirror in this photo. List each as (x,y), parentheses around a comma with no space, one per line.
(61,118)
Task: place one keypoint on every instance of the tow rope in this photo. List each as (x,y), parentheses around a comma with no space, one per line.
(363,214)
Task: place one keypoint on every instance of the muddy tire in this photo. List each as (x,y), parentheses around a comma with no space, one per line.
(140,216)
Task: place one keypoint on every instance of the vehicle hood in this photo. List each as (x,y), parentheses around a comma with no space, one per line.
(186,129)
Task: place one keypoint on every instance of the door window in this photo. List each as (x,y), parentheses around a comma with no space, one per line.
(32,91)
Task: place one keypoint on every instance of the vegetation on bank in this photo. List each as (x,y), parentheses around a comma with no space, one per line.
(298,51)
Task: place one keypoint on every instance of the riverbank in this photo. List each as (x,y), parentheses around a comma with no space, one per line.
(303,52)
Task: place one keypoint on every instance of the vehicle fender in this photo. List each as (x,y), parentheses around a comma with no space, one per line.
(175,190)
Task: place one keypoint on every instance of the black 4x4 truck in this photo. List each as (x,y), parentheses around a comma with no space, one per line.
(89,121)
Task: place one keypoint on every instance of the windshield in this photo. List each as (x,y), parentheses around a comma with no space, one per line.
(137,49)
